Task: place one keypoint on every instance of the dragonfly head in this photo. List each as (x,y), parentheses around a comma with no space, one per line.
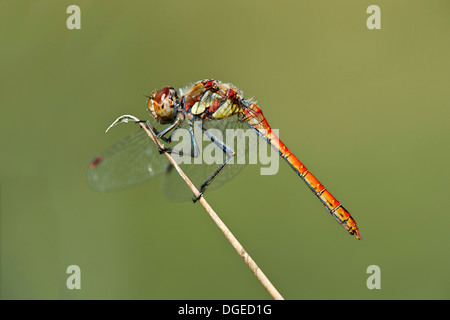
(161,104)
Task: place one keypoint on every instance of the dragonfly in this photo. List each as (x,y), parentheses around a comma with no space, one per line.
(206,105)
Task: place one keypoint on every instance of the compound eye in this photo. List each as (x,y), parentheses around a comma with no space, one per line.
(161,104)
(162,95)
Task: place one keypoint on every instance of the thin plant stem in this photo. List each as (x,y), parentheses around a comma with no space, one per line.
(230,237)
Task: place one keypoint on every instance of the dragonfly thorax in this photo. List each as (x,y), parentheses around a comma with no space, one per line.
(163,105)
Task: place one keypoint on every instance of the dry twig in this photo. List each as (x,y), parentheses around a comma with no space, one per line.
(231,238)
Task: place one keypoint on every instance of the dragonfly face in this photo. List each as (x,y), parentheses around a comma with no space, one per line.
(162,104)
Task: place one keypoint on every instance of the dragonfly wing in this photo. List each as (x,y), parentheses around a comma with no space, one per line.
(127,163)
(233,133)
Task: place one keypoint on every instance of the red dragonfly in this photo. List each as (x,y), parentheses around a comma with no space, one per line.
(215,105)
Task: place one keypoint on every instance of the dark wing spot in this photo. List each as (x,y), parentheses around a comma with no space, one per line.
(95,162)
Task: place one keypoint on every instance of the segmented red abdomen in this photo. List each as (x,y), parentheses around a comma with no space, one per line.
(252,115)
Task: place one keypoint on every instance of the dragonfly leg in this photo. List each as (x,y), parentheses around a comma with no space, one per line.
(194,151)
(161,135)
(230,155)
(193,141)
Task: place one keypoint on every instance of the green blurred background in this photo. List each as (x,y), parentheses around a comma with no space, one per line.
(366,110)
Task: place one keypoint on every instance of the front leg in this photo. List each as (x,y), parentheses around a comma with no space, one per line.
(161,135)
(193,153)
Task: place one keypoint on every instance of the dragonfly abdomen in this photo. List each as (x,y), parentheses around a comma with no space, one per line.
(253,116)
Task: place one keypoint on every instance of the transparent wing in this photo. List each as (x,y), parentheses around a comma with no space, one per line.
(127,163)
(230,131)
(135,159)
